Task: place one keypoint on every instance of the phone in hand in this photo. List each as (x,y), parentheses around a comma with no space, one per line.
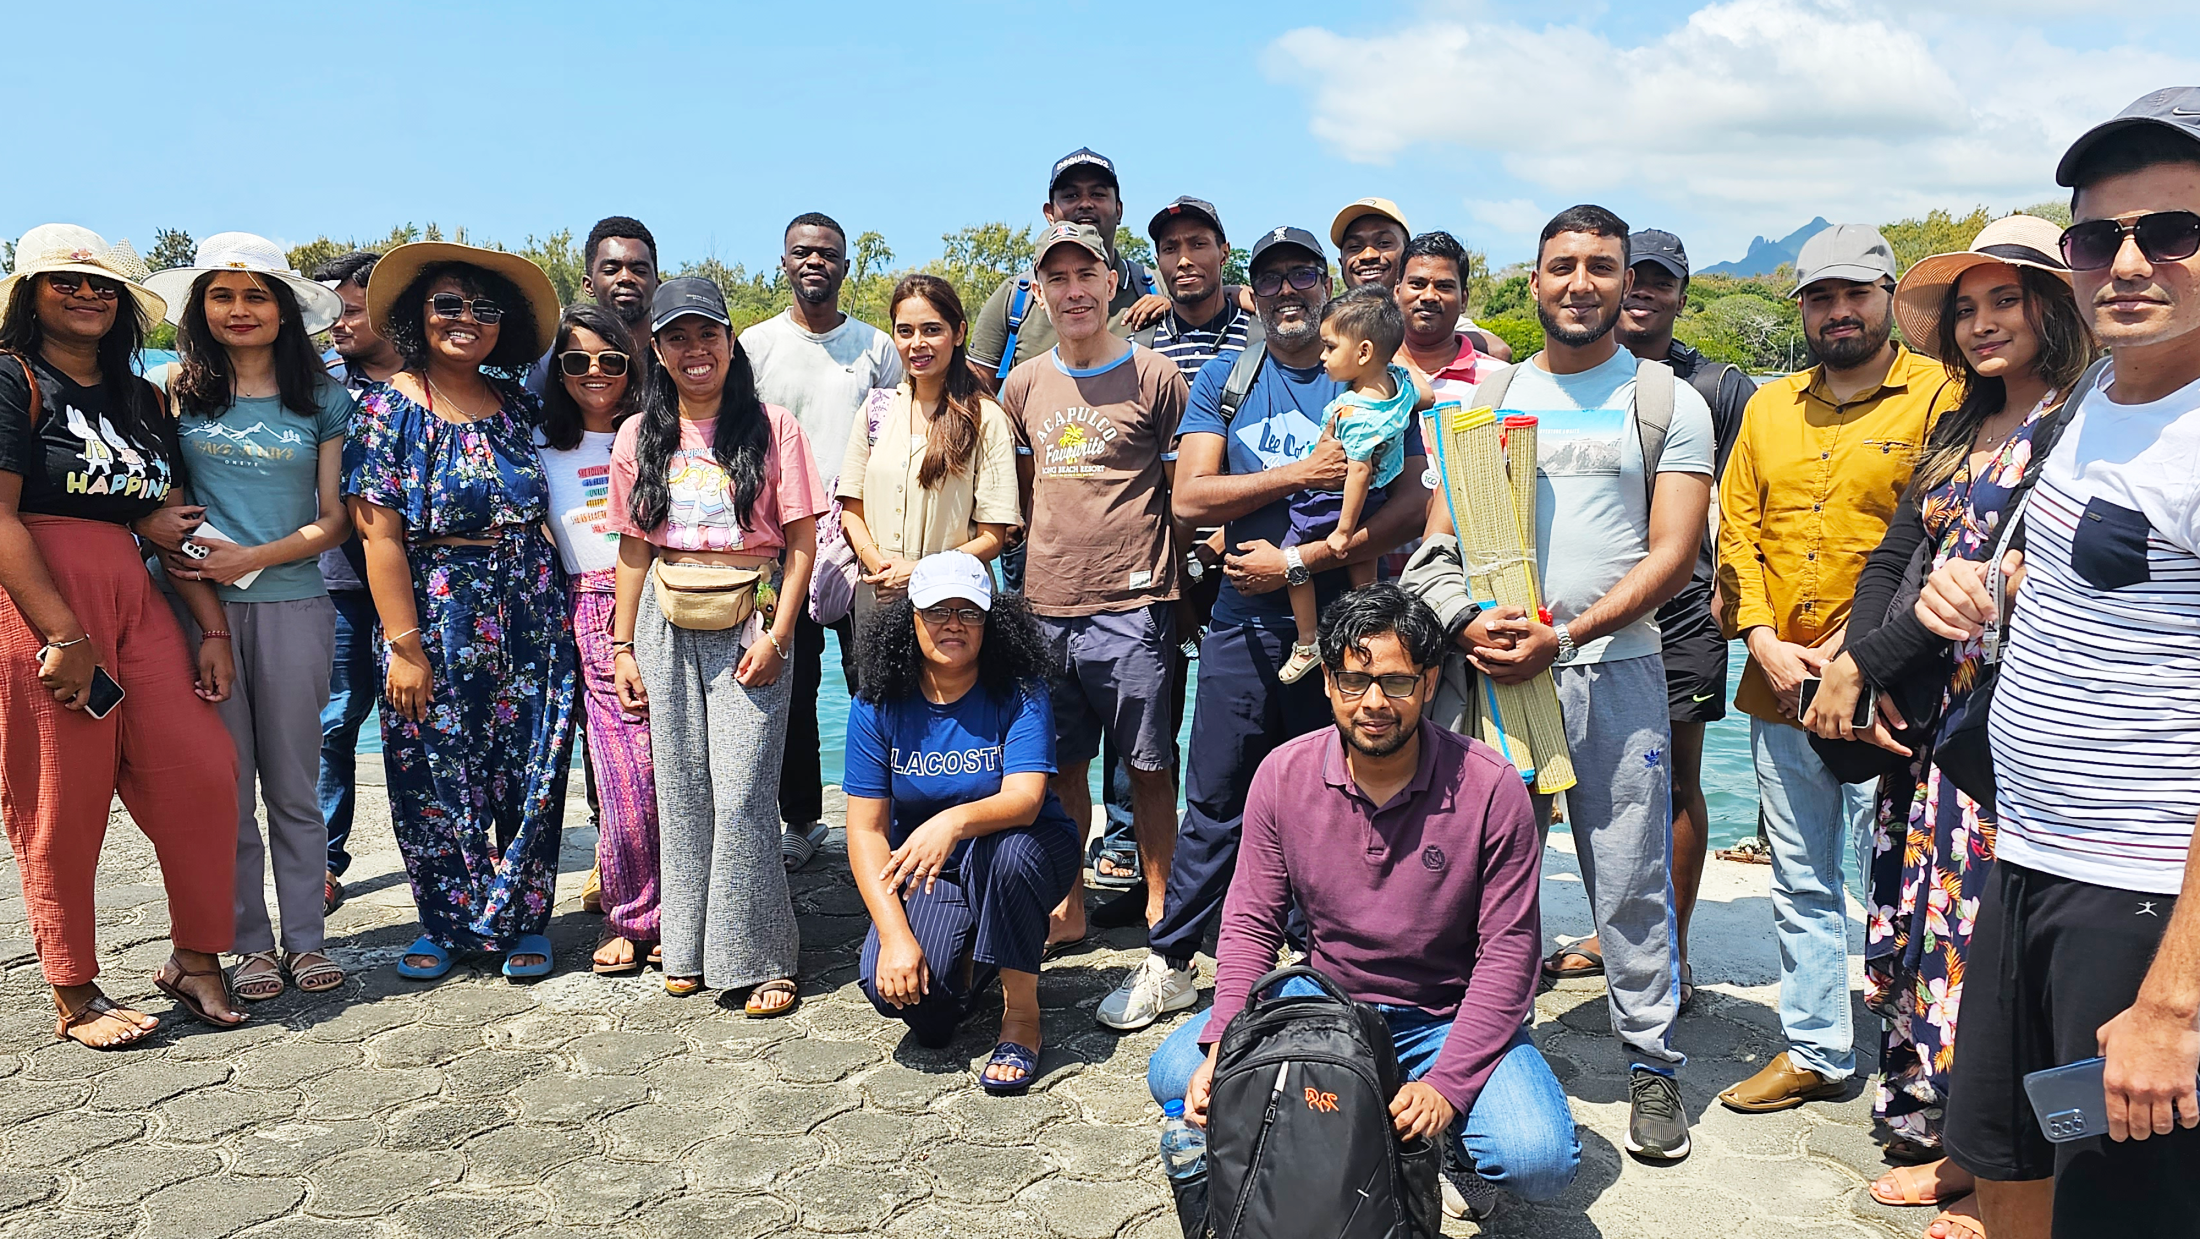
(103,695)
(2071,1101)
(1805,693)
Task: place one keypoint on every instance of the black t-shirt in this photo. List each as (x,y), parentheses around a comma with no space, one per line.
(73,458)
(1727,390)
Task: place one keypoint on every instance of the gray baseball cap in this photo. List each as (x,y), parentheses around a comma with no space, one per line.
(1854,252)
(685,295)
(2175,108)
(1662,248)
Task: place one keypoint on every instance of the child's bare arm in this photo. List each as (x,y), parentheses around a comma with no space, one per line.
(1357,476)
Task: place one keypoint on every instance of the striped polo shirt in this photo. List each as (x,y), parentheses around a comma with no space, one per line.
(2096,721)
(1191,347)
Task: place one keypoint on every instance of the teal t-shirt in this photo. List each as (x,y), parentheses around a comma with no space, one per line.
(256,468)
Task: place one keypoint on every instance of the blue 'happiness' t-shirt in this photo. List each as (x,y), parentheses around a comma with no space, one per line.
(926,758)
(1276,425)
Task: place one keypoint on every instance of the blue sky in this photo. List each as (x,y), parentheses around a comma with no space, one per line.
(715,123)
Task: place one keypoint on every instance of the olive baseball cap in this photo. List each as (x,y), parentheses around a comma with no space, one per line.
(1853,252)
(1067,233)
(2175,108)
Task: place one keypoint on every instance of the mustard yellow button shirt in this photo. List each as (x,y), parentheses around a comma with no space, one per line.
(1806,497)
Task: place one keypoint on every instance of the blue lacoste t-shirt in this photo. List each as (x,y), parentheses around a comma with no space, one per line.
(1278,424)
(927,757)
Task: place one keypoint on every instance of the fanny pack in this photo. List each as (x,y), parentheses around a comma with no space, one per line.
(706,597)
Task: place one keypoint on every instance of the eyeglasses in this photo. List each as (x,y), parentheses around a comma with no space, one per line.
(1353,685)
(451,305)
(937,617)
(67,283)
(1269,283)
(2163,236)
(575,362)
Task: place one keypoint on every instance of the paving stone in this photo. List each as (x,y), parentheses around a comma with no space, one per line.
(423,1045)
(940,1219)
(360,1021)
(444,1215)
(838,1200)
(21,1190)
(294,1062)
(371,1182)
(545,1030)
(903,1089)
(474,1005)
(227,1045)
(1004,1120)
(59,1139)
(697,1080)
(147,1082)
(495,1073)
(520,1155)
(739,1040)
(591,1192)
(1074,1211)
(1109,1154)
(788,1110)
(52,1223)
(578,1099)
(658,1131)
(209,1114)
(871,1136)
(718,1217)
(110,1182)
(813,1061)
(622,1053)
(28,1100)
(749,1163)
(217,1205)
(361,1094)
(437,1125)
(288,1149)
(301,1227)
(980,1173)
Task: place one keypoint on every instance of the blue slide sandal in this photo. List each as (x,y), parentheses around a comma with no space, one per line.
(1010,1054)
(529,944)
(424,945)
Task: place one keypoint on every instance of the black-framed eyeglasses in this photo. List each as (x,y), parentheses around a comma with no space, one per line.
(1353,685)
(451,305)
(2163,236)
(1270,282)
(574,363)
(937,617)
(67,283)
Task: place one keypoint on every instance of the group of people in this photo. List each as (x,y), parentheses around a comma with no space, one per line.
(511,523)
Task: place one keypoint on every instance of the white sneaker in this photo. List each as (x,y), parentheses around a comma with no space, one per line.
(1152,990)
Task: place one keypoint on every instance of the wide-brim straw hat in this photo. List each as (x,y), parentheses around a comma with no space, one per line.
(2018,240)
(394,273)
(318,304)
(65,247)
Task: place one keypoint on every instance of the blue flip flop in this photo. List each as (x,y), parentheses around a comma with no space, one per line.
(424,945)
(1010,1054)
(529,944)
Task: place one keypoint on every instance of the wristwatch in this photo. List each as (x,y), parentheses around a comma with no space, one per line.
(1194,567)
(1294,568)
(1566,649)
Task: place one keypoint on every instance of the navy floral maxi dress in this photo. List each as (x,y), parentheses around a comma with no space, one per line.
(477,789)
(1932,846)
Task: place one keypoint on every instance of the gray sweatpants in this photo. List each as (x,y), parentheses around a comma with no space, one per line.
(1621,816)
(726,912)
(283,651)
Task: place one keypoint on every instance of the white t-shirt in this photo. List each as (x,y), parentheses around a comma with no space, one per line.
(2096,719)
(580,483)
(822,379)
(1592,510)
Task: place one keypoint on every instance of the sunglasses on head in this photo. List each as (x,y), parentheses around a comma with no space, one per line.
(2163,236)
(451,305)
(1353,685)
(575,362)
(1269,283)
(67,283)
(937,617)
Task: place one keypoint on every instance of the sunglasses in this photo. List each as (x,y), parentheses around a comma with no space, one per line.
(2163,236)
(451,305)
(937,617)
(1353,685)
(575,362)
(68,284)
(1269,283)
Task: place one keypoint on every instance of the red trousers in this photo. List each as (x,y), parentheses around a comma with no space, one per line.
(163,749)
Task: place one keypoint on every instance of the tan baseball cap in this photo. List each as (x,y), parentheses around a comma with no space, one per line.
(1366,206)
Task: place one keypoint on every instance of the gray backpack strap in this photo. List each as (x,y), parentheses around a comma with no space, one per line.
(1240,381)
(1653,417)
(1490,394)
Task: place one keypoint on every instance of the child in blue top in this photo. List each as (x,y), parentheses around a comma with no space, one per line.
(1361,332)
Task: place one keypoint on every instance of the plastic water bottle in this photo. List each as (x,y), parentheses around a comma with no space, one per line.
(1183,1146)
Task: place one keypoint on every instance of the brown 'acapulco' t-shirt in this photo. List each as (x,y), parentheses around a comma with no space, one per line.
(1099,439)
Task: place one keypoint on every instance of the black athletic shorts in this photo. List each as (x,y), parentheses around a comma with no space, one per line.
(2053,959)
(1695,658)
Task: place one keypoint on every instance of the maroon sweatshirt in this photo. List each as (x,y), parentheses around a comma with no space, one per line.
(1428,901)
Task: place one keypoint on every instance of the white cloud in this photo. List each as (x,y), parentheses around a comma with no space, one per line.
(1512,216)
(1751,114)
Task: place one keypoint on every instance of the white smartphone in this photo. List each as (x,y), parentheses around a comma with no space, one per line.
(207,533)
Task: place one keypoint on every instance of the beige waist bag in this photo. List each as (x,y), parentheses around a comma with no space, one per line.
(706,597)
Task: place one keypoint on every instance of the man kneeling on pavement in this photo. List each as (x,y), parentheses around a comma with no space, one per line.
(1437,927)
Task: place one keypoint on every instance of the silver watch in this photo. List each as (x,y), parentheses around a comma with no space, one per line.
(1566,648)
(1294,568)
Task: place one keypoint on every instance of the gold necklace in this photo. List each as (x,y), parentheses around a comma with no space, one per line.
(436,393)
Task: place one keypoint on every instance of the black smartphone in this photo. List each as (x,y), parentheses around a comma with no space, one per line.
(104,694)
(1805,694)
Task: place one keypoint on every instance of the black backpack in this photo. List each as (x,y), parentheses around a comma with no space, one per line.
(1299,1140)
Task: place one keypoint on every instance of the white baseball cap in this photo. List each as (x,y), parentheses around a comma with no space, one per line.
(949,575)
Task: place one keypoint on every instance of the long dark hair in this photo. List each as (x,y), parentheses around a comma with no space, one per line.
(2066,349)
(203,385)
(513,355)
(562,424)
(741,443)
(1011,657)
(132,406)
(952,439)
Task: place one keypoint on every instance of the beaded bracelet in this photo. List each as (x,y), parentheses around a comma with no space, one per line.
(214,635)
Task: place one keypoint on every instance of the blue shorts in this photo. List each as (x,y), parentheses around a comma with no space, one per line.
(1314,513)
(1109,673)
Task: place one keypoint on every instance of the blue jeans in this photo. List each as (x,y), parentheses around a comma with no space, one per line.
(353,688)
(1817,827)
(1519,1135)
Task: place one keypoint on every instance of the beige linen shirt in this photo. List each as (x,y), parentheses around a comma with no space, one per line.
(909,521)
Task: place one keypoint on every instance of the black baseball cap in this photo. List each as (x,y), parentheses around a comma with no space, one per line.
(2175,108)
(1194,208)
(1287,236)
(1660,247)
(685,295)
(1082,157)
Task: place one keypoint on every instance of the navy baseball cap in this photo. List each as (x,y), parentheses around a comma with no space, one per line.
(1082,157)
(1188,207)
(1287,236)
(685,295)
(1660,247)
(2175,108)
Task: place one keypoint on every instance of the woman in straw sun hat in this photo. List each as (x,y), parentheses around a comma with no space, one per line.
(84,451)
(261,425)
(2001,317)
(450,500)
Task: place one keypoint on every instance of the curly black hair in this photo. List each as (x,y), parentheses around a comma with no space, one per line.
(1011,657)
(514,353)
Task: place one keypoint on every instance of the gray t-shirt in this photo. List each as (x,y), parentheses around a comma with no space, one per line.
(823,379)
(1592,521)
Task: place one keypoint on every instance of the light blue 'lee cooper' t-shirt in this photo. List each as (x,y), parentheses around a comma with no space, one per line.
(1592,511)
(257,469)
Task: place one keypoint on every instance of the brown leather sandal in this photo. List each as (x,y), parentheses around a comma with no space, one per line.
(174,989)
(757,1011)
(96,1007)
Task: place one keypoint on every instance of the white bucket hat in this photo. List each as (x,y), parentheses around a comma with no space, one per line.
(65,247)
(242,251)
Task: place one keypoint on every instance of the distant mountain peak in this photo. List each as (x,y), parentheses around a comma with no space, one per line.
(1765,256)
